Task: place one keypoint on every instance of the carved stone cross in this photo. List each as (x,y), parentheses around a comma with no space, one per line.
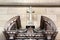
(30,11)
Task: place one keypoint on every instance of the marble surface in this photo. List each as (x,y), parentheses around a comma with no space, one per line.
(8,12)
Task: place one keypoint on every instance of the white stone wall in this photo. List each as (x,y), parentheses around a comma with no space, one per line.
(32,1)
(8,12)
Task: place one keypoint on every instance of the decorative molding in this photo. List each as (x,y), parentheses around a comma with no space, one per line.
(13,4)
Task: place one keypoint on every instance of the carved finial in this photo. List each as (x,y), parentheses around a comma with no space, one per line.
(30,11)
